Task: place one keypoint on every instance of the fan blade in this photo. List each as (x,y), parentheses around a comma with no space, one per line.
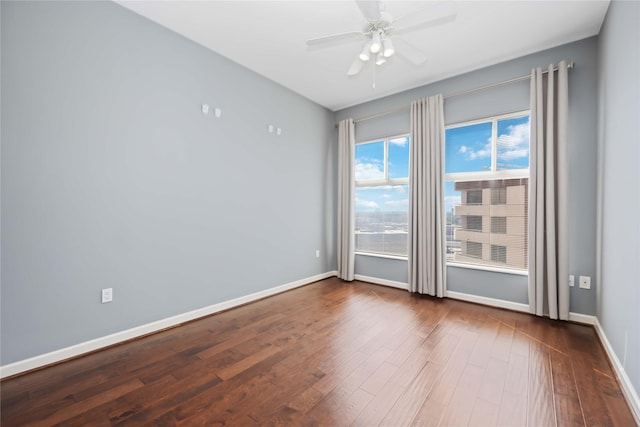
(335,38)
(409,52)
(355,67)
(370,9)
(439,13)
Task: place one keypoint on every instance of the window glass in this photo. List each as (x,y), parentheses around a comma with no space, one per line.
(474,197)
(498,196)
(369,161)
(474,249)
(499,253)
(513,143)
(399,158)
(382,196)
(486,188)
(499,224)
(474,222)
(468,148)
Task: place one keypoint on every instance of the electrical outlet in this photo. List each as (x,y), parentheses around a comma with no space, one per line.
(585,282)
(317,253)
(571,280)
(107,295)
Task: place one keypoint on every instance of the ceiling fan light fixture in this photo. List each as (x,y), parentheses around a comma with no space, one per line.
(376,42)
(388,49)
(365,55)
(380,59)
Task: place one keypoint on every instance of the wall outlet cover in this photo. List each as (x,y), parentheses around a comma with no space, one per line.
(585,282)
(107,295)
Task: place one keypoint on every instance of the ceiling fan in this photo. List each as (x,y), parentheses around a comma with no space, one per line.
(380,28)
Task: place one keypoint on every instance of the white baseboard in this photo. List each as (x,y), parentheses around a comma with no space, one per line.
(383,282)
(118,337)
(628,390)
(493,302)
(451,294)
(514,306)
(585,319)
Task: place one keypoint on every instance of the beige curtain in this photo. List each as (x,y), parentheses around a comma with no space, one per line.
(548,207)
(346,195)
(427,270)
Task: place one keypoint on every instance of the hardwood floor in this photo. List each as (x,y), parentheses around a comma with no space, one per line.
(336,354)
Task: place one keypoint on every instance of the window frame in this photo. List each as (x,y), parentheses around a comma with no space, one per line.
(386,181)
(493,174)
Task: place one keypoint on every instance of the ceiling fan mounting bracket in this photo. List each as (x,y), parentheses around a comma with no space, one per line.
(383,27)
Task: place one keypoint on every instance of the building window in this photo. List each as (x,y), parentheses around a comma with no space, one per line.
(474,222)
(499,196)
(486,182)
(499,253)
(474,197)
(382,196)
(474,249)
(499,224)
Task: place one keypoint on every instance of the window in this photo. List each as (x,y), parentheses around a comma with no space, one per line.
(499,196)
(474,222)
(474,249)
(486,182)
(499,253)
(499,224)
(474,197)
(382,196)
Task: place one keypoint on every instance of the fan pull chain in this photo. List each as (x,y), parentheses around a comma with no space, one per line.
(373,64)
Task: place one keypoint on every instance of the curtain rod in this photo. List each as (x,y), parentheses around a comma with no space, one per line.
(461,93)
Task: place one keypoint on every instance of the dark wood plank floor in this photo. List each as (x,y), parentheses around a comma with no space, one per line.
(335,354)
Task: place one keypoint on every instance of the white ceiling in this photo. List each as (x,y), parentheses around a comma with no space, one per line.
(269,38)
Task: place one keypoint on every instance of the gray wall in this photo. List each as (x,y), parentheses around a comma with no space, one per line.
(112,177)
(505,99)
(619,145)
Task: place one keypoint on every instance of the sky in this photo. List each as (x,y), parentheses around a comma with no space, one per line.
(467,149)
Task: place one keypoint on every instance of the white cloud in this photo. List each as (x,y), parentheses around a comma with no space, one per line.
(403,202)
(400,189)
(399,141)
(368,171)
(471,154)
(367,203)
(515,143)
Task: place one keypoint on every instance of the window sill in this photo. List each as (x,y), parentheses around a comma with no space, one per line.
(487,268)
(371,254)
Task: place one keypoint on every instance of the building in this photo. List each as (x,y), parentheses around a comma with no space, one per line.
(492,226)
